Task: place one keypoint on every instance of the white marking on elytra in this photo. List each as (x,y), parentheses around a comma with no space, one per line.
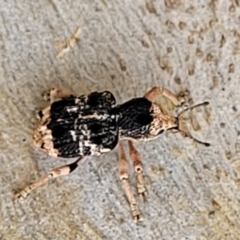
(72,109)
(74,136)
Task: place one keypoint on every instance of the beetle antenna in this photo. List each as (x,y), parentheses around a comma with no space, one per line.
(206,144)
(188,134)
(190,108)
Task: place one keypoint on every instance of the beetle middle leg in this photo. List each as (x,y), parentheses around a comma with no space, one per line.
(57,172)
(138,167)
(155,92)
(123,172)
(55,94)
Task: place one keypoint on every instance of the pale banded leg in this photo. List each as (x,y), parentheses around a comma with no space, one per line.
(123,172)
(55,94)
(138,167)
(57,172)
(155,92)
(52,95)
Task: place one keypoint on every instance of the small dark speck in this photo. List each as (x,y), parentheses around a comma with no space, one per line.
(111,191)
(112,76)
(151,8)
(223,89)
(145,44)
(121,220)
(211,213)
(205,166)
(24,140)
(228,155)
(222,125)
(122,65)
(177,80)
(51,27)
(234,108)
(170,171)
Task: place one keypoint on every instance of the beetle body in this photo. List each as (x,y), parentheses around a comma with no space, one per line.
(80,126)
(93,124)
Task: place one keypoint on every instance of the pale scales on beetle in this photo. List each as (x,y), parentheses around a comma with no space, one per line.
(93,124)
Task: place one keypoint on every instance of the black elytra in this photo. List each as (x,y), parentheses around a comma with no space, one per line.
(86,125)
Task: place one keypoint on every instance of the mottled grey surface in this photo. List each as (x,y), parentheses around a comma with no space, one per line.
(125,47)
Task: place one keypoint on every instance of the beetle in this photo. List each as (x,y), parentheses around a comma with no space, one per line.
(80,126)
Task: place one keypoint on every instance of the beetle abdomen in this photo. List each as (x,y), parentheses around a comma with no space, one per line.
(79,126)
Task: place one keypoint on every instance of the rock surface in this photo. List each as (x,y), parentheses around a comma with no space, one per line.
(126,47)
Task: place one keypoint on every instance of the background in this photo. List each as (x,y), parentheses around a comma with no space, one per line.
(126,47)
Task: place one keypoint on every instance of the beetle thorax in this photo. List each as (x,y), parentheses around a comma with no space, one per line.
(161,121)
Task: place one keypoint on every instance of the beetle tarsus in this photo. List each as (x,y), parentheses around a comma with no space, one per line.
(137,216)
(142,192)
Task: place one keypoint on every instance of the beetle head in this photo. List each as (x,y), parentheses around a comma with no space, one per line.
(176,125)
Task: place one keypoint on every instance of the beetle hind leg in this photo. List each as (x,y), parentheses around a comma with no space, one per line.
(123,172)
(55,94)
(138,167)
(57,172)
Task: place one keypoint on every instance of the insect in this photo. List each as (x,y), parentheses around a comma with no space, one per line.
(80,126)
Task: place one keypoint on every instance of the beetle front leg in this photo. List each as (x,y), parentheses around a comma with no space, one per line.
(123,172)
(57,172)
(138,167)
(55,94)
(155,92)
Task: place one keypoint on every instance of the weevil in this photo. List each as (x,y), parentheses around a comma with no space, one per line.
(80,126)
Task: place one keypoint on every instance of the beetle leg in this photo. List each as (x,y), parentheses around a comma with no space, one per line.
(57,172)
(55,94)
(123,172)
(155,92)
(138,167)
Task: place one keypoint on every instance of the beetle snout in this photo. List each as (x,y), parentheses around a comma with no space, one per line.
(173,123)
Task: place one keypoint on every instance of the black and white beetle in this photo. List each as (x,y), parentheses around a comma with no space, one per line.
(93,124)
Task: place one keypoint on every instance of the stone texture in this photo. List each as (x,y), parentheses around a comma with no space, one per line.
(126,47)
